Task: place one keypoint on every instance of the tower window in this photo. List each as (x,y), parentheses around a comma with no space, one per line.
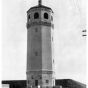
(53,60)
(28,81)
(36,53)
(52,38)
(36,82)
(36,29)
(53,82)
(32,77)
(36,15)
(51,18)
(29,18)
(46,15)
(47,87)
(47,81)
(40,77)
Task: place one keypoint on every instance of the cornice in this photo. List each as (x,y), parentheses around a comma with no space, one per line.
(40,23)
(39,72)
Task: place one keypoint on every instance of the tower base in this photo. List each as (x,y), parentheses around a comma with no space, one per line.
(40,79)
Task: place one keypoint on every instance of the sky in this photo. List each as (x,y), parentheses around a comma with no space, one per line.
(69,45)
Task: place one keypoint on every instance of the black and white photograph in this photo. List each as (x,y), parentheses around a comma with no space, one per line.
(44,44)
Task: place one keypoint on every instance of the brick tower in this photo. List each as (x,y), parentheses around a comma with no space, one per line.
(40,59)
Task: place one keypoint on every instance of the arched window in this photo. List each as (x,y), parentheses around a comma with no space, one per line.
(36,15)
(29,18)
(51,18)
(46,15)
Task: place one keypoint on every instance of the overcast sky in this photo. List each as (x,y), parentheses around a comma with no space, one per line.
(69,45)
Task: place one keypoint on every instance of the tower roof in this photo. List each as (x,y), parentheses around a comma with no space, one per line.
(40,6)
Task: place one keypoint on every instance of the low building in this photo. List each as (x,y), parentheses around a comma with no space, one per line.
(5,86)
(69,83)
(14,83)
(59,83)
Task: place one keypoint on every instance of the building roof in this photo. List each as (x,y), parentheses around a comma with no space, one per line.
(69,83)
(40,6)
(65,83)
(15,83)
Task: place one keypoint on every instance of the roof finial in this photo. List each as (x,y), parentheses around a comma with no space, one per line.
(40,2)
